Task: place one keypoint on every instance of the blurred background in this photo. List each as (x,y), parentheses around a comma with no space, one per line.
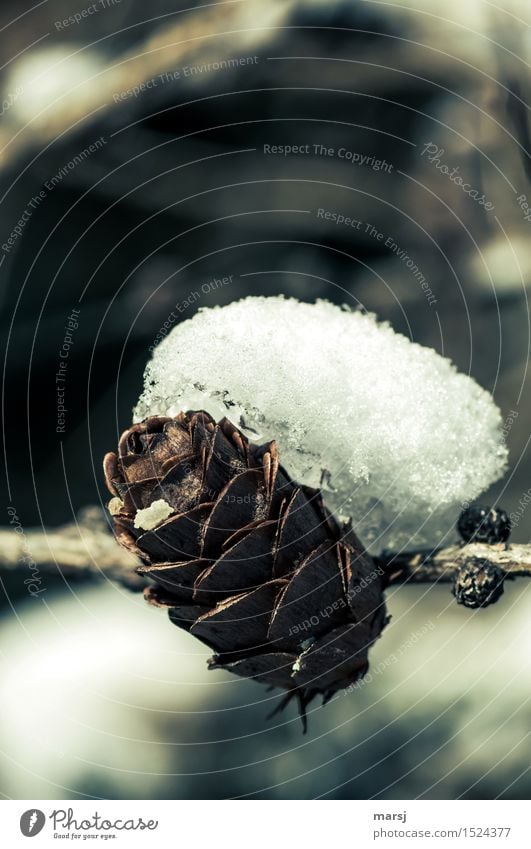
(143,158)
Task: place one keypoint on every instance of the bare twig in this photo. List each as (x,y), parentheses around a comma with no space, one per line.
(86,548)
(442,564)
(82,549)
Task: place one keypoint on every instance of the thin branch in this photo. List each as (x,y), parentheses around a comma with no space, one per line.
(83,549)
(86,549)
(441,564)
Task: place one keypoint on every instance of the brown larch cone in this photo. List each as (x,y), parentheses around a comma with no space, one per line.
(244,558)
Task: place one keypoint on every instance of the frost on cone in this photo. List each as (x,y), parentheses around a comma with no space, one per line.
(243,557)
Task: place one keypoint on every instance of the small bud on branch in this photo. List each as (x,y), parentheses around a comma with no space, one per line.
(435,565)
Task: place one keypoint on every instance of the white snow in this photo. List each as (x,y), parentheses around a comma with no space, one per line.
(114,506)
(395,435)
(152,516)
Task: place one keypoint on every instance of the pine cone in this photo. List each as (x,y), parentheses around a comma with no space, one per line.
(243,557)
